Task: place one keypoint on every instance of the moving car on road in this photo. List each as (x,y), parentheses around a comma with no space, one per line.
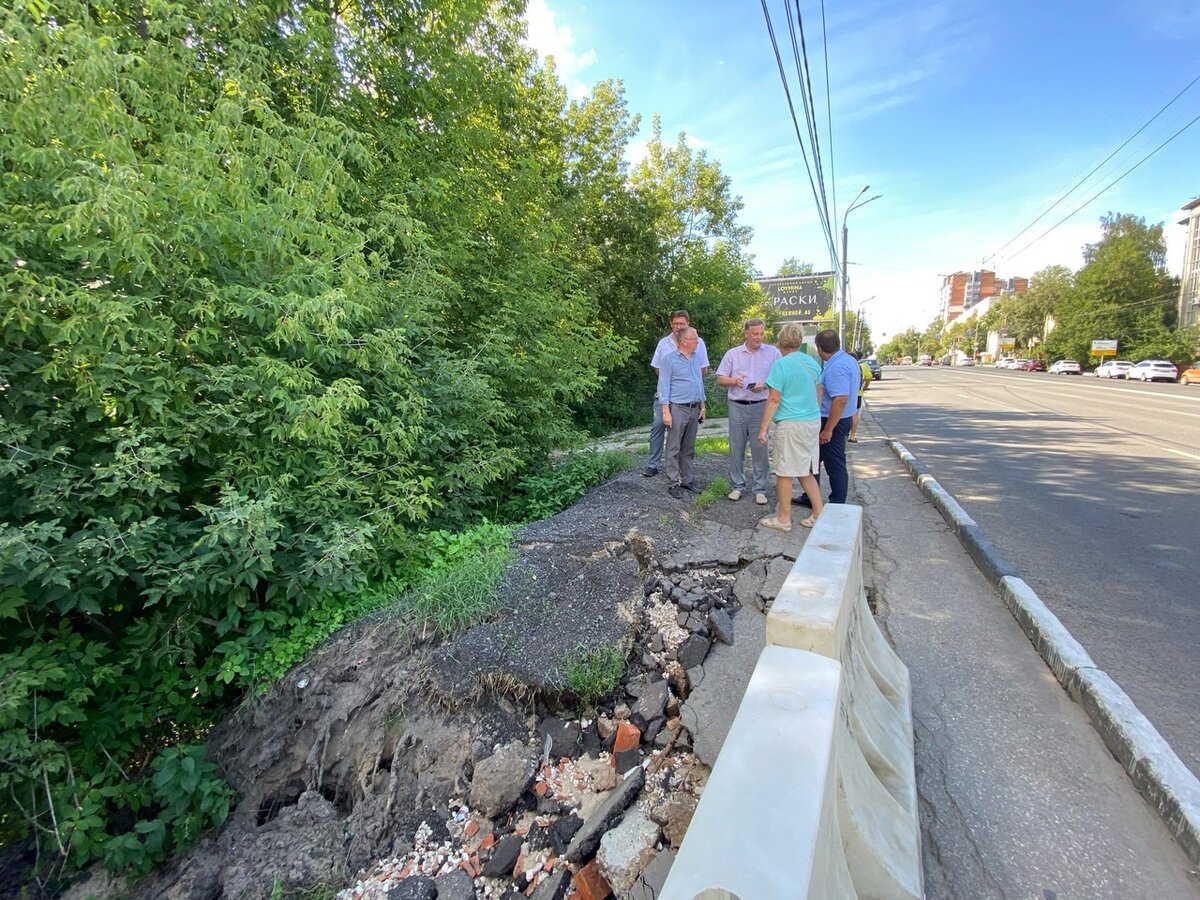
(1114,368)
(1066,367)
(1153,370)
(876,369)
(1031,365)
(1192,375)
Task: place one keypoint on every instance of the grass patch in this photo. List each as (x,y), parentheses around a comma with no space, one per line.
(716,489)
(712,444)
(592,674)
(459,589)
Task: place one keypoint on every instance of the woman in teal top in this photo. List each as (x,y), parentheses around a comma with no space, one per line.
(794,406)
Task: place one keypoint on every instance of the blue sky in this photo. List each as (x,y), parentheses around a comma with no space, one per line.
(969,118)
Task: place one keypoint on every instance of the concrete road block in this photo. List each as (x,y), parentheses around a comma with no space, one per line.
(822,608)
(768,824)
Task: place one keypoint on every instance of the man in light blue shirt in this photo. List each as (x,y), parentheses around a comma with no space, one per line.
(666,346)
(840,379)
(681,398)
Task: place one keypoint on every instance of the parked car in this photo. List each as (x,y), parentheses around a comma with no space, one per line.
(876,369)
(1066,367)
(1031,365)
(1153,370)
(1114,368)
(1192,375)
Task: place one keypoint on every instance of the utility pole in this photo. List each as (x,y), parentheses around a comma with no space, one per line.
(846,263)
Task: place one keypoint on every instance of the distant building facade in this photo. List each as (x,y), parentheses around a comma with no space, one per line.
(964,291)
(1189,284)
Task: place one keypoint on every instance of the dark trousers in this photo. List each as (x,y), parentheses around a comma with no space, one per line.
(833,458)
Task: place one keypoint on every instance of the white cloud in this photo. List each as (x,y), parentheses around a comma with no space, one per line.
(549,38)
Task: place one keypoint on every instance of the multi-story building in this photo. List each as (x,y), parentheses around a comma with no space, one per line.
(1189,285)
(964,291)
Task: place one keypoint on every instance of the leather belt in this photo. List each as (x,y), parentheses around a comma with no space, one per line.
(688,405)
(749,402)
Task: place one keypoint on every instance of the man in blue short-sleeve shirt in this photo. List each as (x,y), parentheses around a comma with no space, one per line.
(840,379)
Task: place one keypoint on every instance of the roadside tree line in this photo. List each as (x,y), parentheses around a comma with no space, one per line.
(1123,293)
(294,292)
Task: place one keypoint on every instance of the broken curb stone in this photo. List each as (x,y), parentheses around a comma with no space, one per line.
(588,837)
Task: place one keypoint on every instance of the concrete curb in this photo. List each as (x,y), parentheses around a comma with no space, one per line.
(1154,768)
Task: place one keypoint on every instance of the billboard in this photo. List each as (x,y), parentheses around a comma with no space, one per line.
(799,298)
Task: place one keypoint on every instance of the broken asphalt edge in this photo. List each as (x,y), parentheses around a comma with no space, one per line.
(1156,771)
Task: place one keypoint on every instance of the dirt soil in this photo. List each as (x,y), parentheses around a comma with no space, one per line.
(379,731)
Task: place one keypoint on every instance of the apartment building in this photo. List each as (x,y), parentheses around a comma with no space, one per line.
(964,291)
(1189,285)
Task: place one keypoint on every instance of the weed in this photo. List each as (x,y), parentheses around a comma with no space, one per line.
(592,674)
(309,892)
(717,488)
(712,445)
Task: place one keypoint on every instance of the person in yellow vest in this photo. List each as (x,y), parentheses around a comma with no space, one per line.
(862,389)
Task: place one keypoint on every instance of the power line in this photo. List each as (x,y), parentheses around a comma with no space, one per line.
(828,112)
(1107,186)
(804,79)
(1098,166)
(816,176)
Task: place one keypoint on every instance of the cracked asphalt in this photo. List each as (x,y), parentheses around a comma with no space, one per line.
(1019,798)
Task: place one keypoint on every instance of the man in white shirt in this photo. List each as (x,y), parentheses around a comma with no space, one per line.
(744,371)
(669,344)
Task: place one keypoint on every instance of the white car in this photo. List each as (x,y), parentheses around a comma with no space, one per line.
(1066,367)
(1114,368)
(1153,370)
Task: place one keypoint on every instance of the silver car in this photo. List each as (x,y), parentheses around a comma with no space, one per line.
(1066,367)
(1114,368)
(1153,370)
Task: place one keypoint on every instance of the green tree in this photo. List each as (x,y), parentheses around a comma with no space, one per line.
(1123,293)
(793,266)
(285,284)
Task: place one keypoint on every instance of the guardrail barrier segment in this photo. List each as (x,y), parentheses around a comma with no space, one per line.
(814,792)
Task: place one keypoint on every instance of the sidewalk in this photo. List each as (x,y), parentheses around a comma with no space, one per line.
(1019,796)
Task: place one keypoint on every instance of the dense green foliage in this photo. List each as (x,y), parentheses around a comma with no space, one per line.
(1122,293)
(293,294)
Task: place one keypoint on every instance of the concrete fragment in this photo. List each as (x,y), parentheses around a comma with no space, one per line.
(456,885)
(588,837)
(627,849)
(500,779)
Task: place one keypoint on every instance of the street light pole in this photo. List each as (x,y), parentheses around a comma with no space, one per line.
(858,320)
(845,262)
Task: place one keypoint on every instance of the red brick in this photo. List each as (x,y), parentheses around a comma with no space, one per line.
(472,827)
(590,883)
(628,737)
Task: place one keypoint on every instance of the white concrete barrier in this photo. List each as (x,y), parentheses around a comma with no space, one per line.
(767,823)
(814,793)
(822,607)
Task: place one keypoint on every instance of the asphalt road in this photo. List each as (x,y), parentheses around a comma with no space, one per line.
(1091,488)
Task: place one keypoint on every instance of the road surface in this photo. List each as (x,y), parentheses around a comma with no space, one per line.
(1091,488)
